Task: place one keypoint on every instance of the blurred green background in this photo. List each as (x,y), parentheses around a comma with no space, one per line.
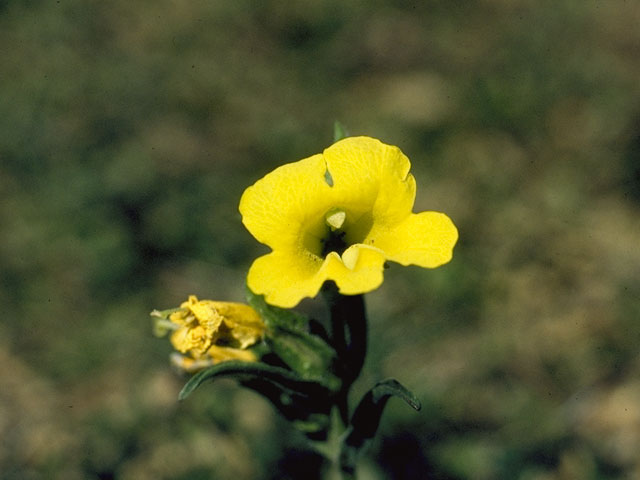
(128,131)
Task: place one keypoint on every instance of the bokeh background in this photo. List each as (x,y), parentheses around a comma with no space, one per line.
(128,131)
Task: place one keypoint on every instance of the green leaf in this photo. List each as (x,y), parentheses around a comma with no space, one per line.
(339,131)
(366,419)
(309,412)
(286,380)
(288,337)
(303,402)
(306,354)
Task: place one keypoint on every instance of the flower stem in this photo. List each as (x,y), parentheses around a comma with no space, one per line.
(348,338)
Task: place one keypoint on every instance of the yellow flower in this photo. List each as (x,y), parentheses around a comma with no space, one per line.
(211,332)
(214,355)
(339,216)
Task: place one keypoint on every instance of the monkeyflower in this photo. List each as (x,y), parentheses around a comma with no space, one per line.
(207,332)
(340,215)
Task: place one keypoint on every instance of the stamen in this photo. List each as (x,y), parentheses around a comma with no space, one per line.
(335,218)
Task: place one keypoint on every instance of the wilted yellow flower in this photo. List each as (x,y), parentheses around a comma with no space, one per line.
(214,355)
(211,332)
(339,216)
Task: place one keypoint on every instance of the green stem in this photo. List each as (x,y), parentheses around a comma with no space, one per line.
(348,338)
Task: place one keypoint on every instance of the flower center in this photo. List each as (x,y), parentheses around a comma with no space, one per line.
(335,231)
(334,241)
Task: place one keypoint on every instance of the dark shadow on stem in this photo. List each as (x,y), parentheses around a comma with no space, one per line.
(348,338)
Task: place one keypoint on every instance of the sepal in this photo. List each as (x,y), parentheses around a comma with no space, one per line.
(161,323)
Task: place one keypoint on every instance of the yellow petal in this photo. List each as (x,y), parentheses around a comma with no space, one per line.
(278,208)
(191,339)
(188,364)
(180,339)
(370,177)
(239,314)
(425,239)
(207,316)
(223,354)
(244,327)
(180,317)
(284,280)
(203,311)
(359,270)
(285,277)
(214,355)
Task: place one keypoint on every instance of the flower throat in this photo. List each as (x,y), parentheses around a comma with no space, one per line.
(334,241)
